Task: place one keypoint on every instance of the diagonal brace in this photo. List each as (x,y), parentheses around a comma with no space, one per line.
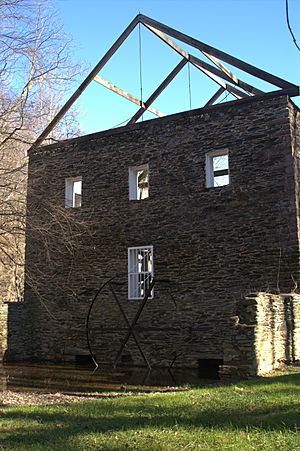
(255,71)
(158,91)
(215,96)
(212,72)
(126,95)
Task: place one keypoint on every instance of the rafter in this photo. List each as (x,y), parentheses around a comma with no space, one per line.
(126,95)
(256,72)
(87,81)
(219,74)
(202,64)
(237,93)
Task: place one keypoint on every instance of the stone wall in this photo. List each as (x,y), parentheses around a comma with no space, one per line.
(295,141)
(15,332)
(212,244)
(264,334)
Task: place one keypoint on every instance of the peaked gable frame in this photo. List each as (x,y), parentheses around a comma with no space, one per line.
(219,73)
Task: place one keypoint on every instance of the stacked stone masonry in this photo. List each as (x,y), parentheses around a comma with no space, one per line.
(15,331)
(211,245)
(264,334)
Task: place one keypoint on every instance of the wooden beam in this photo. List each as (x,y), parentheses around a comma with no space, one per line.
(256,72)
(245,86)
(276,93)
(250,89)
(168,41)
(87,81)
(291,92)
(236,81)
(237,93)
(159,90)
(221,66)
(126,95)
(215,97)
(234,91)
(215,78)
(211,72)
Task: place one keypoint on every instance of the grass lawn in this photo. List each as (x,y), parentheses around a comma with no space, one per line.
(260,414)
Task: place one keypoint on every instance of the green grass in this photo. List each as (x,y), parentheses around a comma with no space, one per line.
(261,414)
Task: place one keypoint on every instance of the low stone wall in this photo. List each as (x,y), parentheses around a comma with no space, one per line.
(15,332)
(264,334)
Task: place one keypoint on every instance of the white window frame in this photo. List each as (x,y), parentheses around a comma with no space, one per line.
(138,280)
(209,167)
(133,182)
(70,193)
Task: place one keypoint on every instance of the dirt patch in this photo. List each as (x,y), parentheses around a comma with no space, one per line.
(22,398)
(14,398)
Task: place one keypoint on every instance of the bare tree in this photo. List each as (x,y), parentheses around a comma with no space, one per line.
(35,70)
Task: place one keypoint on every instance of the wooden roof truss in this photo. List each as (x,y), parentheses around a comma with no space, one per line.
(217,71)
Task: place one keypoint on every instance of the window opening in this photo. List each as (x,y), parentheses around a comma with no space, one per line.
(73,198)
(217,168)
(139,182)
(140,271)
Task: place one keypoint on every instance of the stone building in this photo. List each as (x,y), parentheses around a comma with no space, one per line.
(170,242)
(221,241)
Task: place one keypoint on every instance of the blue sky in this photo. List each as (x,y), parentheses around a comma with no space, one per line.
(252,30)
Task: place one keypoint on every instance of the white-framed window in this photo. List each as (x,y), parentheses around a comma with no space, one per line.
(139,182)
(140,271)
(73,192)
(217,168)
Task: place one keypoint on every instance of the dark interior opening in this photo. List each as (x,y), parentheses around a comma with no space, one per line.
(209,368)
(84,360)
(126,360)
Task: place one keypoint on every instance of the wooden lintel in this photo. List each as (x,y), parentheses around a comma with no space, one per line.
(215,96)
(202,64)
(126,95)
(87,81)
(159,90)
(225,57)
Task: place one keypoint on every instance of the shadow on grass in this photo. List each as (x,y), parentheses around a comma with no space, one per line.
(268,404)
